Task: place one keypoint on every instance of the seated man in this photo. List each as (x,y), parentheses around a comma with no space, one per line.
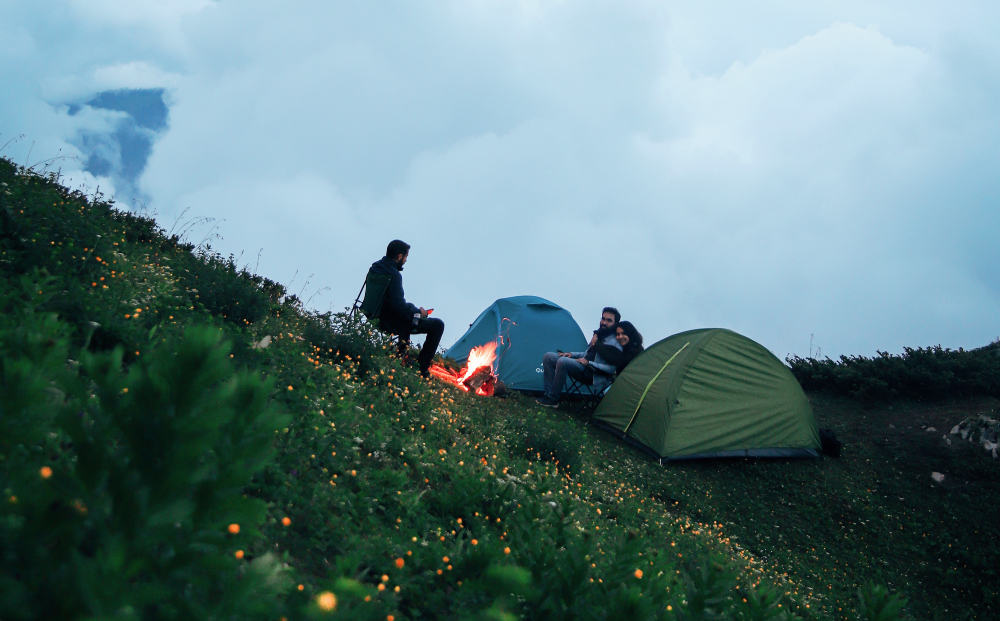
(590,367)
(384,301)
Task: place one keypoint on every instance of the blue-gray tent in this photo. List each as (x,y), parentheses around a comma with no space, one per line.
(524,327)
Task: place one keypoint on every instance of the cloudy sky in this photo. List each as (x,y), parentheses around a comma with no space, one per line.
(823,177)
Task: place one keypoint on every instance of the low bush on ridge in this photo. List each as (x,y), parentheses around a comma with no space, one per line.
(919,373)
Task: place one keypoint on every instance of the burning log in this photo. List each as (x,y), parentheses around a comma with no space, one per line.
(481,381)
(477,376)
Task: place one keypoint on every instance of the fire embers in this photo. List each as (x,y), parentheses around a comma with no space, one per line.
(477,376)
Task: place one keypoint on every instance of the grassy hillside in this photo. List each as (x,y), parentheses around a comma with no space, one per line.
(179,437)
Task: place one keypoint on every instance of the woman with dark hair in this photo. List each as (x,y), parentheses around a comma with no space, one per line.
(630,340)
(631,343)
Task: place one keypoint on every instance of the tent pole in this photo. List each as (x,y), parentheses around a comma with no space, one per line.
(650,385)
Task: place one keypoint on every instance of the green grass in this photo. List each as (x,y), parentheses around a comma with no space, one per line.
(143,416)
(873,515)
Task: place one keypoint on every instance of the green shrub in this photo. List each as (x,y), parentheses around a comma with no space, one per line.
(709,593)
(762,604)
(35,340)
(878,604)
(120,500)
(919,373)
(42,226)
(231,293)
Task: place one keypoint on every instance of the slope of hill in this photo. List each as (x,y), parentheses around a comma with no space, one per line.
(180,437)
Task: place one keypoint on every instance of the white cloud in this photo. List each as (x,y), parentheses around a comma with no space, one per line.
(131,75)
(781,169)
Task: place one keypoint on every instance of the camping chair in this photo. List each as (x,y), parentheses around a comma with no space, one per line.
(369,301)
(590,395)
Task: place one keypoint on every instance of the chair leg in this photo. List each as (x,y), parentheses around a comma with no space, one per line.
(586,391)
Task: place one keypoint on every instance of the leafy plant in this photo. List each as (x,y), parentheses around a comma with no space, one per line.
(137,510)
(921,373)
(878,604)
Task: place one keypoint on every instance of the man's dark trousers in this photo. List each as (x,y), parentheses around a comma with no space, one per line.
(433,328)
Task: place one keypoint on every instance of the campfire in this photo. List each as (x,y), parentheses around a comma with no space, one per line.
(477,375)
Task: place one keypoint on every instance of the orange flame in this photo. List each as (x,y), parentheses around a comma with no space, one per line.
(482,356)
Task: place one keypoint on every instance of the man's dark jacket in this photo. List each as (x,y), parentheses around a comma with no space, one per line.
(397,313)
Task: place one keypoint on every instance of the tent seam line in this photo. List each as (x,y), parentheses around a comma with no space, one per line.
(650,384)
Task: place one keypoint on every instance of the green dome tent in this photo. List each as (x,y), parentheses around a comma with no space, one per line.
(524,327)
(710,393)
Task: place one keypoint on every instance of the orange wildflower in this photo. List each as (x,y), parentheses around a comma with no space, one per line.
(326,600)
